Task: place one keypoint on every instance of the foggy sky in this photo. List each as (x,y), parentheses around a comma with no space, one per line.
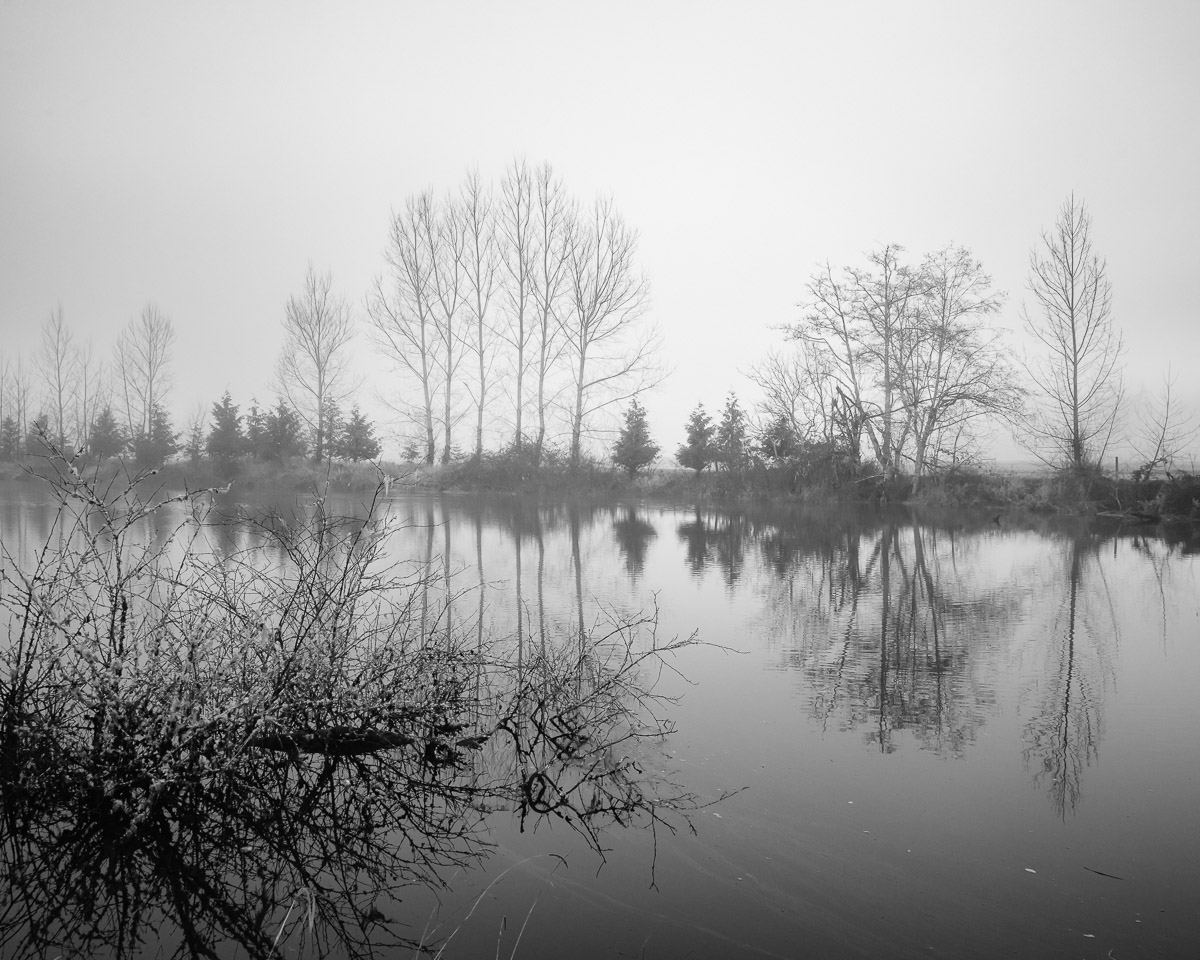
(200,156)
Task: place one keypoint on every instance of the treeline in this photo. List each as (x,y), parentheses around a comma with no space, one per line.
(895,370)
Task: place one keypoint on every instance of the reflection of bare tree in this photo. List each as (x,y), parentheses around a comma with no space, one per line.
(633,535)
(889,628)
(1062,737)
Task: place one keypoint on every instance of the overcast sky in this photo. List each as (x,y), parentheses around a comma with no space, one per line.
(201,155)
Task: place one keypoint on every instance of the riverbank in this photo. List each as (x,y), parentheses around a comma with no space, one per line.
(1168,498)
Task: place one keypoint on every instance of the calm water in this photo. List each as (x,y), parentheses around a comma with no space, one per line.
(920,734)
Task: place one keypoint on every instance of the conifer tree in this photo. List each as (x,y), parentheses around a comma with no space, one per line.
(697,453)
(106,439)
(634,448)
(357,439)
(732,450)
(225,440)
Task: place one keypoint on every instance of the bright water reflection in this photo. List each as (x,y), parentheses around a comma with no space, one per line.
(951,736)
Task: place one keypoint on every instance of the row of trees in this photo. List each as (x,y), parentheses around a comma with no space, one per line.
(121,407)
(278,434)
(502,307)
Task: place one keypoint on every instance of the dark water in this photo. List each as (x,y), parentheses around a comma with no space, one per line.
(920,734)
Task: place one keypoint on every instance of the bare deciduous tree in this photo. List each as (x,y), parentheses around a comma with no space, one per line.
(517,262)
(554,220)
(56,364)
(955,370)
(1164,432)
(480,264)
(313,372)
(89,392)
(612,355)
(1079,376)
(141,367)
(400,309)
(445,239)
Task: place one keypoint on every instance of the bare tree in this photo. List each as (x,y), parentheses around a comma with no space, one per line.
(89,393)
(515,221)
(445,240)
(18,391)
(1163,431)
(313,372)
(553,225)
(56,364)
(955,370)
(141,367)
(612,355)
(480,264)
(400,309)
(863,322)
(1079,376)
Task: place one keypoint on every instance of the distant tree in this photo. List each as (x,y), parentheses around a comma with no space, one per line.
(10,439)
(141,368)
(732,444)
(1079,376)
(778,441)
(698,452)
(314,367)
(225,440)
(56,362)
(152,447)
(254,427)
(480,260)
(106,439)
(634,449)
(283,434)
(358,438)
(194,434)
(612,352)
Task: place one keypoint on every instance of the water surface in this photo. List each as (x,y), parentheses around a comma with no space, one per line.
(907,734)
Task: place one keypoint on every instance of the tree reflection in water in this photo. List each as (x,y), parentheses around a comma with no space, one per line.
(1063,736)
(183,777)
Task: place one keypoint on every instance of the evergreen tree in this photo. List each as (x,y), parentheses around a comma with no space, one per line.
(256,429)
(225,440)
(10,439)
(333,427)
(283,433)
(732,450)
(697,453)
(152,447)
(778,442)
(106,438)
(356,441)
(634,449)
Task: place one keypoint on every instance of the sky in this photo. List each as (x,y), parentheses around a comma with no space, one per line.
(201,155)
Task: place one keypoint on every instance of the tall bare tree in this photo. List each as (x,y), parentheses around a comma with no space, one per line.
(445,239)
(400,308)
(89,392)
(18,391)
(515,223)
(313,372)
(612,353)
(553,226)
(1078,374)
(56,362)
(142,368)
(481,265)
